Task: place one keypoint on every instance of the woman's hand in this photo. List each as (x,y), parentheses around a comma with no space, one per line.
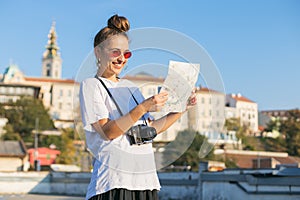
(156,102)
(192,101)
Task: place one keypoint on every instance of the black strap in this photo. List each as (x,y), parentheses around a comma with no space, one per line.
(137,103)
(110,95)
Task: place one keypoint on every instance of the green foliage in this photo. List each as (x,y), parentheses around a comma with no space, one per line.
(22,116)
(2,111)
(230,163)
(290,128)
(233,124)
(274,144)
(187,146)
(10,134)
(289,140)
(67,148)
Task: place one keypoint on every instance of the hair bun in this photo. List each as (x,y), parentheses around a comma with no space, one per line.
(118,23)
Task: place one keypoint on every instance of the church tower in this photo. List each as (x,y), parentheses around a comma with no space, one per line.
(52,62)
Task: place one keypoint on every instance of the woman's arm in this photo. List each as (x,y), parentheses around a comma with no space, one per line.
(111,129)
(166,121)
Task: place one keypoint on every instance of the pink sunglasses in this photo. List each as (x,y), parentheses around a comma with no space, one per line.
(117,52)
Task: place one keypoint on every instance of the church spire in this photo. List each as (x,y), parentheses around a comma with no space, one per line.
(52,63)
(51,47)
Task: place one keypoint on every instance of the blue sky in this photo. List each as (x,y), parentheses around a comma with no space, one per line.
(254,44)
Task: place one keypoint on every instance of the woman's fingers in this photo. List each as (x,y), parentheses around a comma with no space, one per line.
(161,97)
(158,101)
(192,101)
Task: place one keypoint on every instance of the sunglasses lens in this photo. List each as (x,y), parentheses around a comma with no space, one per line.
(115,53)
(127,54)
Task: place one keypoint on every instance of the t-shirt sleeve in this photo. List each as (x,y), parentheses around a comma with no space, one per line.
(92,104)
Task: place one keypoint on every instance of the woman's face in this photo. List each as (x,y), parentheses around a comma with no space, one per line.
(113,54)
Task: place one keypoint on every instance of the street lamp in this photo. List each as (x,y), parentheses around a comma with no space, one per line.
(37,166)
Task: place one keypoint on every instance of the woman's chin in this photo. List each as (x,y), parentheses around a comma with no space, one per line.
(117,68)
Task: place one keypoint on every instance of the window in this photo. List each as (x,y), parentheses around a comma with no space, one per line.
(10,90)
(48,70)
(18,90)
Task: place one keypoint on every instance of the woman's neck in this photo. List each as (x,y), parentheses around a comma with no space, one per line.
(112,77)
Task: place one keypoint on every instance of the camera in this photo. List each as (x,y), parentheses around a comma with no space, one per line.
(141,134)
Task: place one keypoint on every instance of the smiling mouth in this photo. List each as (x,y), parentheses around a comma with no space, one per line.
(118,64)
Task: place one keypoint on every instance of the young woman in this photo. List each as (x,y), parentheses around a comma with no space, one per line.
(110,106)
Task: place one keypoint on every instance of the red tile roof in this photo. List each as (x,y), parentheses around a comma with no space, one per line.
(37,79)
(239,97)
(205,89)
(246,161)
(143,78)
(261,128)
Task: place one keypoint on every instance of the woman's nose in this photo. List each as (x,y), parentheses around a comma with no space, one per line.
(121,58)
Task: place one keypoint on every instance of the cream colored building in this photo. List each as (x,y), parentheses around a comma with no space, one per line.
(56,93)
(243,108)
(208,116)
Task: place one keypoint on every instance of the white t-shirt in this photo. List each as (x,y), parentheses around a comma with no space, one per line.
(117,164)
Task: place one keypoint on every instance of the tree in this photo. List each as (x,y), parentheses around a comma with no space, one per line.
(289,139)
(234,124)
(22,116)
(67,148)
(10,134)
(290,128)
(187,146)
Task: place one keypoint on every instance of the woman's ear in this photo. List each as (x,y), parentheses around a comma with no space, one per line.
(97,52)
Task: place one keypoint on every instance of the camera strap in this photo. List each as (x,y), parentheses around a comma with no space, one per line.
(110,95)
(137,103)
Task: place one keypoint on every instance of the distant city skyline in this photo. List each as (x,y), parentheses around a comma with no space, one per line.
(255,45)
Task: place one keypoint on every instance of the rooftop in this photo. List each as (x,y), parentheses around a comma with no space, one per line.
(239,97)
(12,149)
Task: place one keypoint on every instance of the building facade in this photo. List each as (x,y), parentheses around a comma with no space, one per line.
(56,93)
(13,156)
(244,109)
(208,116)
